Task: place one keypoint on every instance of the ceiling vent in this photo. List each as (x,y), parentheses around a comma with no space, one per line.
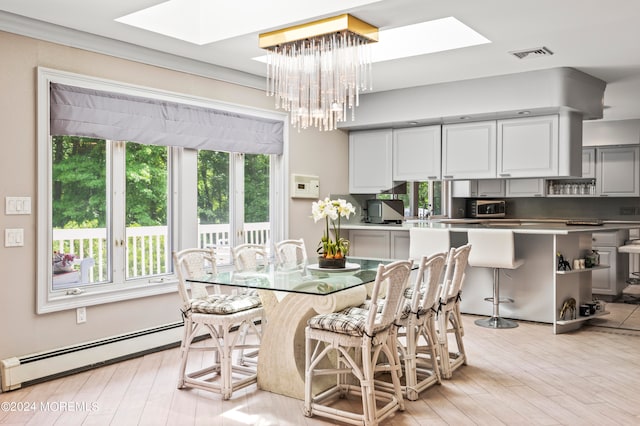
(532,53)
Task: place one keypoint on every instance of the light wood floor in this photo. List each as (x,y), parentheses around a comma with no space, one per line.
(522,376)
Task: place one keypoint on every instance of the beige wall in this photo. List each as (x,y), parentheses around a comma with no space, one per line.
(21,330)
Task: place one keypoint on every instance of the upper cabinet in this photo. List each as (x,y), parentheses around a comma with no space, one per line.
(370,168)
(469,150)
(417,154)
(482,188)
(528,147)
(525,188)
(618,171)
(588,163)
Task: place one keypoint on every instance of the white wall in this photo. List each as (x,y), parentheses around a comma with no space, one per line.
(24,332)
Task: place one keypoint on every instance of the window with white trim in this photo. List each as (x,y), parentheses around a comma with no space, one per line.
(111,211)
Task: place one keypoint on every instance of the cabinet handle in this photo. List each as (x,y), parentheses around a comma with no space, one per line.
(537,195)
(448,176)
(432,177)
(604,195)
(505,174)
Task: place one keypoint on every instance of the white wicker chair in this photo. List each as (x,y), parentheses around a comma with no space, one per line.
(291,253)
(358,337)
(418,338)
(450,318)
(249,257)
(224,316)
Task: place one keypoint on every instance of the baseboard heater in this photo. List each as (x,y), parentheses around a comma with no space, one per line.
(17,372)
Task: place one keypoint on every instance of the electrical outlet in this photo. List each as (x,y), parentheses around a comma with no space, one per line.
(81,315)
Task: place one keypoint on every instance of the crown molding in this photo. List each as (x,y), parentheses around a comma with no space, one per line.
(45,31)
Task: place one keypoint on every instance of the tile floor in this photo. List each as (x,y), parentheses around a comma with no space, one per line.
(622,315)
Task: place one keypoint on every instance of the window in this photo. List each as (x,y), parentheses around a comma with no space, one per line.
(427,198)
(112,211)
(249,174)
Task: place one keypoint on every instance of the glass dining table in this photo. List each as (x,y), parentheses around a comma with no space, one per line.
(290,296)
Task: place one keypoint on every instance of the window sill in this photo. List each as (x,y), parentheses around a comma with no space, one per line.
(106,293)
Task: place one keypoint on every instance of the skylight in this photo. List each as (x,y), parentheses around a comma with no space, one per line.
(206,21)
(424,38)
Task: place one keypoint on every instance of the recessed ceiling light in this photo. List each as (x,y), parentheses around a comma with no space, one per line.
(524,112)
(205,21)
(413,123)
(464,117)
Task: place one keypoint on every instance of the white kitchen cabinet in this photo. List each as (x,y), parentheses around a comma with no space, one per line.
(528,147)
(469,150)
(525,188)
(588,163)
(417,154)
(369,243)
(399,248)
(618,171)
(611,281)
(481,188)
(379,244)
(604,280)
(370,167)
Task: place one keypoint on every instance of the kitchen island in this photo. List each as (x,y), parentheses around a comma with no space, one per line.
(537,287)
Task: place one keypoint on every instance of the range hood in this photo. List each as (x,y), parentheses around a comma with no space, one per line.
(536,92)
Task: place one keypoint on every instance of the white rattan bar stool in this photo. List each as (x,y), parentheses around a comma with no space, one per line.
(449,316)
(494,248)
(291,253)
(225,317)
(356,342)
(418,341)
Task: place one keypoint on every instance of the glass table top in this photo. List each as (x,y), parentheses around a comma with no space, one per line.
(305,279)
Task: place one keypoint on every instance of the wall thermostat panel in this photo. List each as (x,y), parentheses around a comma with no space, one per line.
(304,186)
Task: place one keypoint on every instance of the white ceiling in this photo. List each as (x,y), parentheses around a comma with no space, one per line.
(597,37)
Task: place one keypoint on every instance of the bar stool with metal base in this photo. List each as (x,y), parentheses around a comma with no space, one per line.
(494,248)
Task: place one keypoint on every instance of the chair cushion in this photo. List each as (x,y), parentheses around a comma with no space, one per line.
(406,308)
(224,304)
(349,321)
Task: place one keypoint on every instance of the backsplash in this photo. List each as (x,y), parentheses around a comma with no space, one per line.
(606,208)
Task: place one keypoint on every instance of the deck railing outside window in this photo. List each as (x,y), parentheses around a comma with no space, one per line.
(147,246)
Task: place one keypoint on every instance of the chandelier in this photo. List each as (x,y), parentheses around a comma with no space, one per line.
(317,70)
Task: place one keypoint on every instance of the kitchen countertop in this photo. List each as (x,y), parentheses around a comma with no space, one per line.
(521,226)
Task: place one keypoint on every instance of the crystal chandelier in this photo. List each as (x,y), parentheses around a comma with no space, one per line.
(316,71)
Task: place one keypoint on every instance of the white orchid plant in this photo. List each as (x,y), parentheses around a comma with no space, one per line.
(332,211)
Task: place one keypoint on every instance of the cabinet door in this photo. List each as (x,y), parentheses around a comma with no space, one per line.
(399,245)
(618,171)
(603,281)
(469,150)
(588,162)
(525,188)
(481,188)
(370,161)
(491,188)
(417,153)
(369,244)
(528,147)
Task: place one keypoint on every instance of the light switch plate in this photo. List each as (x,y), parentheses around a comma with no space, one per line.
(17,205)
(14,237)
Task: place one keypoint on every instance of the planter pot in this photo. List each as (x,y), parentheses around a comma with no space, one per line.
(323,262)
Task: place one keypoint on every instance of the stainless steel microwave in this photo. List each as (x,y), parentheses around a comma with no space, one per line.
(486,208)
